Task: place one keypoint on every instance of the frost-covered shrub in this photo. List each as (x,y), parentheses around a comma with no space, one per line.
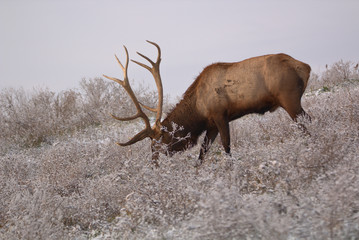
(339,73)
(278,184)
(31,118)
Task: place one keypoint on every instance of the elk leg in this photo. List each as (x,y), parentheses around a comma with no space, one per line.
(211,135)
(305,115)
(295,110)
(223,127)
(301,125)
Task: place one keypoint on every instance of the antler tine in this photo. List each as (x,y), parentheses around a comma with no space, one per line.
(155,71)
(149,108)
(138,137)
(158,49)
(147,132)
(124,69)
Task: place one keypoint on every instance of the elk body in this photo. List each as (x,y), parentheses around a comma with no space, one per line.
(221,93)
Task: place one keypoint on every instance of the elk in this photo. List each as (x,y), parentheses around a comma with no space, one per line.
(221,93)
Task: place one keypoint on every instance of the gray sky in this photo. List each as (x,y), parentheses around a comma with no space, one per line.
(55,44)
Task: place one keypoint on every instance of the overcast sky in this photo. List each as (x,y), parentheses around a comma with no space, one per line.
(55,44)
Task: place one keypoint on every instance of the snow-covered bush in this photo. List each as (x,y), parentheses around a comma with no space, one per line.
(339,73)
(29,119)
(278,184)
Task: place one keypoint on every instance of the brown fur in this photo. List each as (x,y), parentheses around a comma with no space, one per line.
(226,91)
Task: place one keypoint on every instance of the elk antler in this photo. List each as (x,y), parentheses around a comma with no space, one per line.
(148,131)
(155,71)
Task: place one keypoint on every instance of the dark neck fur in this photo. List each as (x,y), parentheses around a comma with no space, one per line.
(185,115)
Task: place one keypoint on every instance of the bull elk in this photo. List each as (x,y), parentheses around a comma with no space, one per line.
(221,93)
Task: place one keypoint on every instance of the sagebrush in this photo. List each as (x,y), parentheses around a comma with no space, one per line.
(62,176)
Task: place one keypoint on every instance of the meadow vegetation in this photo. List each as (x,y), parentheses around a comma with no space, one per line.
(62,176)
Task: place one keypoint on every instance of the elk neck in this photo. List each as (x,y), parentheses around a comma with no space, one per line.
(185,115)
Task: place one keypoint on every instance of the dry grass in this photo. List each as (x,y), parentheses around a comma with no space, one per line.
(278,184)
